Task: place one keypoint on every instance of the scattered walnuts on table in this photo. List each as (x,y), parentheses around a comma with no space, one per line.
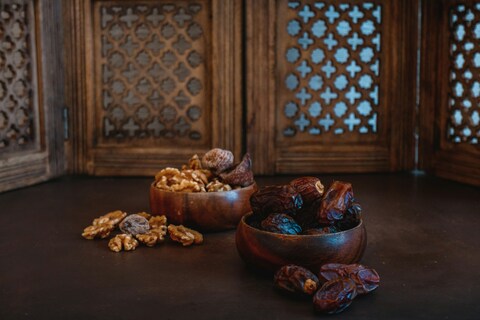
(97,231)
(124,242)
(184,235)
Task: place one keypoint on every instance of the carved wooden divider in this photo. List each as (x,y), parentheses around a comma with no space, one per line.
(332,85)
(450,100)
(29,120)
(158,81)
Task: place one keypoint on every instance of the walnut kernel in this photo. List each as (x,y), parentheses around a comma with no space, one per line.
(124,242)
(112,218)
(98,231)
(184,235)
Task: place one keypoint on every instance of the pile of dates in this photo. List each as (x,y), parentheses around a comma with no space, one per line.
(334,288)
(304,207)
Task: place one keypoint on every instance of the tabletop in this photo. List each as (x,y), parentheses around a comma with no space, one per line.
(423,238)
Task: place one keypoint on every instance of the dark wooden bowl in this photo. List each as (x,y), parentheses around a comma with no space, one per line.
(270,251)
(211,211)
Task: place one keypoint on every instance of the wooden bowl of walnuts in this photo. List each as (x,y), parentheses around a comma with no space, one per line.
(301,224)
(211,193)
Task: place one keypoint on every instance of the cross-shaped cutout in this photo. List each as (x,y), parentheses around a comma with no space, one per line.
(306,13)
(351,122)
(326,122)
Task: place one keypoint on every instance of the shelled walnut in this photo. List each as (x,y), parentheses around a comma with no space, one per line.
(217,186)
(145,215)
(112,218)
(153,237)
(157,221)
(184,235)
(98,231)
(124,242)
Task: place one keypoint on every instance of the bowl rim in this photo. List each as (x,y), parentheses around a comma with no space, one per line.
(202,194)
(242,221)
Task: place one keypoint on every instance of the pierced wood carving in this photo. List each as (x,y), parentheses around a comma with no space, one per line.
(17,107)
(151,71)
(330,74)
(464,104)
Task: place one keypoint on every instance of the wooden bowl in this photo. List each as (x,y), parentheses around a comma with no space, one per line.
(205,211)
(270,251)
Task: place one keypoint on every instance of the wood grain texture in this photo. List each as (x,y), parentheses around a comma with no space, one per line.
(439,153)
(118,130)
(41,34)
(391,148)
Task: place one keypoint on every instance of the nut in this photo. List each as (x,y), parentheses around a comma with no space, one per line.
(241,175)
(218,160)
(157,222)
(217,186)
(134,224)
(145,215)
(195,163)
(98,231)
(168,173)
(153,237)
(122,242)
(184,235)
(112,218)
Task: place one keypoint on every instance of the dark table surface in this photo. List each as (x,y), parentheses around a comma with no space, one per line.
(423,239)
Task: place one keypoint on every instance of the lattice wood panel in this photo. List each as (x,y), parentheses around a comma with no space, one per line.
(18,107)
(464,105)
(151,71)
(330,72)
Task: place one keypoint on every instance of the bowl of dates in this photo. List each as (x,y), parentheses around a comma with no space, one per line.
(210,193)
(302,223)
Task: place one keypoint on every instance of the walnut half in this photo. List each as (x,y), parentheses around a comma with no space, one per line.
(98,231)
(124,242)
(184,235)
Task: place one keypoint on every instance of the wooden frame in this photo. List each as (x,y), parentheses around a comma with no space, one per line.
(45,160)
(226,96)
(395,153)
(438,155)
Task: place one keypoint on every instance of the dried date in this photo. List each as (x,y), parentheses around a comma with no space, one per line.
(335,295)
(280,223)
(365,278)
(335,202)
(296,280)
(310,188)
(272,199)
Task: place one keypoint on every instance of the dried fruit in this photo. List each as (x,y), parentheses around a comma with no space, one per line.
(184,235)
(134,224)
(280,223)
(296,279)
(122,242)
(273,199)
(365,278)
(98,231)
(335,295)
(351,218)
(241,174)
(335,202)
(112,218)
(310,188)
(324,230)
(218,160)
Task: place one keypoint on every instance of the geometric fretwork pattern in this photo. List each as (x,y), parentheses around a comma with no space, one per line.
(332,68)
(17,112)
(464,104)
(152,75)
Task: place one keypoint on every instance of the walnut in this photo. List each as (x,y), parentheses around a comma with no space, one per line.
(198,176)
(187,186)
(195,163)
(240,175)
(184,235)
(216,186)
(218,160)
(157,221)
(124,242)
(153,237)
(145,215)
(98,231)
(112,218)
(168,173)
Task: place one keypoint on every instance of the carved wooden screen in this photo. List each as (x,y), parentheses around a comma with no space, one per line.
(331,85)
(451,98)
(161,80)
(30,93)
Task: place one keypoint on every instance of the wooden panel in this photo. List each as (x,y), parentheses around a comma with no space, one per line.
(162,81)
(30,93)
(451,95)
(339,91)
